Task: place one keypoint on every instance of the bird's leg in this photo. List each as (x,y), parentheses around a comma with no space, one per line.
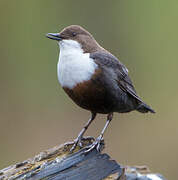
(78,140)
(97,143)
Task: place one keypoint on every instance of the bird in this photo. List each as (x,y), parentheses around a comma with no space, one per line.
(94,79)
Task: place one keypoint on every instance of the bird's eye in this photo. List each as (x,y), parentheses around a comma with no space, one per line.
(74,34)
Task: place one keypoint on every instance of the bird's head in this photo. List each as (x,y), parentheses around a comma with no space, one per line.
(75,36)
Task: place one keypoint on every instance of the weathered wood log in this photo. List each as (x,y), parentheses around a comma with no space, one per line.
(58,164)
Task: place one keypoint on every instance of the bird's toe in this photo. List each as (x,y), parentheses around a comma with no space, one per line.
(98,144)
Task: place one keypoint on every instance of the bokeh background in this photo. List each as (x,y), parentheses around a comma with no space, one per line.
(35,113)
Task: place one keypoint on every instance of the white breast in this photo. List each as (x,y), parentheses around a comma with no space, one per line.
(74,66)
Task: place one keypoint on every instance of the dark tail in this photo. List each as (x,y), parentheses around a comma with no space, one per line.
(144,108)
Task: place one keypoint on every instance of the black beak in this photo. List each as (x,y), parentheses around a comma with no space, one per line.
(54,36)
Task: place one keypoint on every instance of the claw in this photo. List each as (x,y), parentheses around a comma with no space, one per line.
(80,141)
(77,141)
(96,145)
(80,144)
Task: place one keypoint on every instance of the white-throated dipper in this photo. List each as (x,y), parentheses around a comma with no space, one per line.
(94,79)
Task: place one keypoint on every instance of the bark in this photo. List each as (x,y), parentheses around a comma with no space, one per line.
(58,163)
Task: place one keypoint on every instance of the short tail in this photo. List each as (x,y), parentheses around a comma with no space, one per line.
(144,108)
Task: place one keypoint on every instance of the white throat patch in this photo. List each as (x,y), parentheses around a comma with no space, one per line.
(74,66)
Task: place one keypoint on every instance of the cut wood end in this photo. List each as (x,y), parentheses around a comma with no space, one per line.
(56,153)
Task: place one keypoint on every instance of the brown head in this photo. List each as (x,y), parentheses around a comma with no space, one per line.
(79,34)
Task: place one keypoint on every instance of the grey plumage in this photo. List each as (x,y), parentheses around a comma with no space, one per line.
(116,79)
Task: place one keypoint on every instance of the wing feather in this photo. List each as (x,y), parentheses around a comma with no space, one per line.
(107,60)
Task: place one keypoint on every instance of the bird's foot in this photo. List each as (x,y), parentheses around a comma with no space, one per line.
(98,144)
(80,142)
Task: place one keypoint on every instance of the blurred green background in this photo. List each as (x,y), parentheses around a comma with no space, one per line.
(36,114)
